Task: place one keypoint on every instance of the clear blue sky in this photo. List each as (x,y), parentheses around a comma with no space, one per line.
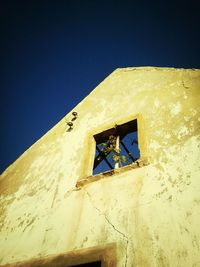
(53,53)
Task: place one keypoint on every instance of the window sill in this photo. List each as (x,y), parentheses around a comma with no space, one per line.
(92,178)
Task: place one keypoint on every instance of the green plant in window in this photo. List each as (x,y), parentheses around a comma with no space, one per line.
(109,148)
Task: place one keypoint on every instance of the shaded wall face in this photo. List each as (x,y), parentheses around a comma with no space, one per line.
(151,212)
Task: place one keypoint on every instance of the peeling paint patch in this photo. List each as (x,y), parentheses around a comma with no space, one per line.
(154,145)
(175,109)
(157,103)
(167,136)
(182,132)
(29,223)
(185,95)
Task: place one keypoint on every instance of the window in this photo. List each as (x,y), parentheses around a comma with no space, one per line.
(92,264)
(116,147)
(100,256)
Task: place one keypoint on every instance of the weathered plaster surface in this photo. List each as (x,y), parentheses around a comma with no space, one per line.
(151,212)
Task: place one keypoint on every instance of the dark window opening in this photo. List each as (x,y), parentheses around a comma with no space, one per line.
(116,147)
(92,264)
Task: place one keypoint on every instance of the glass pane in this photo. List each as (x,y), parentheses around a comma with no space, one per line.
(131,143)
(103,165)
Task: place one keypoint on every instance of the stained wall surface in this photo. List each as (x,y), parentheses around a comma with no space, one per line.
(151,212)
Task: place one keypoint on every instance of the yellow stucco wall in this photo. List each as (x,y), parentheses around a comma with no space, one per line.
(151,212)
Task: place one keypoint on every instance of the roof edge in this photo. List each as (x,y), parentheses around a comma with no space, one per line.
(150,68)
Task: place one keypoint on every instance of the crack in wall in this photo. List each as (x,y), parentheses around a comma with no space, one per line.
(112,225)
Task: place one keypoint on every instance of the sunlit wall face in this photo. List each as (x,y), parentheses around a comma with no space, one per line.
(52,204)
